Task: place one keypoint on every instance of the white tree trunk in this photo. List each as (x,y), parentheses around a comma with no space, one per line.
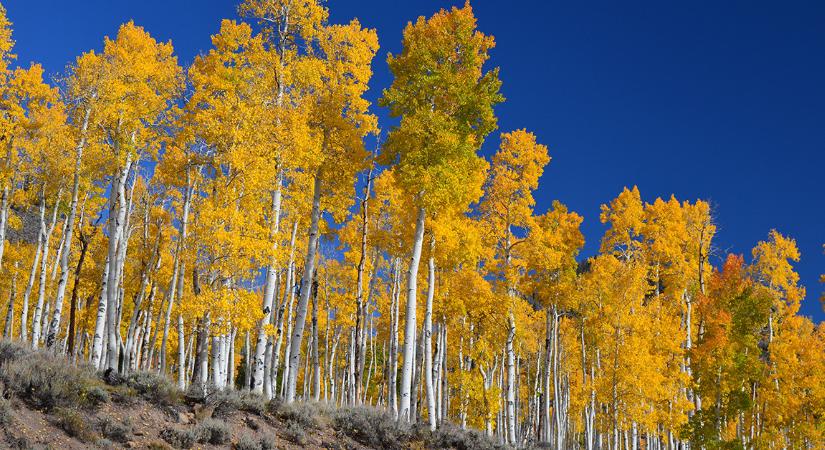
(24,318)
(306,287)
(100,323)
(44,261)
(8,331)
(360,315)
(410,325)
(392,395)
(289,293)
(216,362)
(428,339)
(167,315)
(511,382)
(187,206)
(258,373)
(54,326)
(117,221)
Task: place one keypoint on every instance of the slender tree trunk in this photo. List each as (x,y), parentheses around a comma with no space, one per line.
(4,219)
(289,292)
(151,266)
(511,381)
(54,326)
(167,317)
(410,325)
(316,365)
(44,261)
(303,300)
(202,361)
(392,395)
(84,248)
(359,290)
(117,231)
(269,291)
(8,331)
(428,338)
(24,318)
(100,323)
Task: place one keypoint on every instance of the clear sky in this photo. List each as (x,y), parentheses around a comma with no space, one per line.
(723,101)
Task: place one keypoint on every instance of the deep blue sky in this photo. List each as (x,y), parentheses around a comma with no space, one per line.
(723,101)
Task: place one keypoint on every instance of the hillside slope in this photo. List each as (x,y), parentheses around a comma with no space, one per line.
(49,403)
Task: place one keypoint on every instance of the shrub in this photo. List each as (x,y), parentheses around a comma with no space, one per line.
(48,381)
(215,432)
(11,351)
(154,387)
(304,414)
(371,427)
(18,442)
(228,401)
(247,442)
(178,438)
(114,430)
(267,443)
(449,436)
(294,432)
(96,395)
(6,412)
(74,424)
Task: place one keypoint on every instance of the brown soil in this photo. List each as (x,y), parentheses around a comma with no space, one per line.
(30,428)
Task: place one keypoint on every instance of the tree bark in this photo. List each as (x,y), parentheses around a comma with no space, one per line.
(269,292)
(410,325)
(24,315)
(303,300)
(428,338)
(54,326)
(117,220)
(44,261)
(84,248)
(359,291)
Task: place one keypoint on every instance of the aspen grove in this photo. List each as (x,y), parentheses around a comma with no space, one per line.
(238,224)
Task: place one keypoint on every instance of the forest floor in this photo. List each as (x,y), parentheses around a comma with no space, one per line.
(48,403)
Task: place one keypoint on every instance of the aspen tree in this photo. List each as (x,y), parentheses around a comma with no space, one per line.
(445,100)
(141,79)
(342,118)
(285,25)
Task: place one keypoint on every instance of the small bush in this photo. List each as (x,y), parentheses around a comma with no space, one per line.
(247,442)
(114,430)
(74,424)
(154,387)
(177,438)
(267,443)
(229,401)
(294,432)
(197,393)
(304,414)
(97,395)
(18,442)
(11,351)
(48,381)
(6,412)
(372,427)
(215,432)
(449,436)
